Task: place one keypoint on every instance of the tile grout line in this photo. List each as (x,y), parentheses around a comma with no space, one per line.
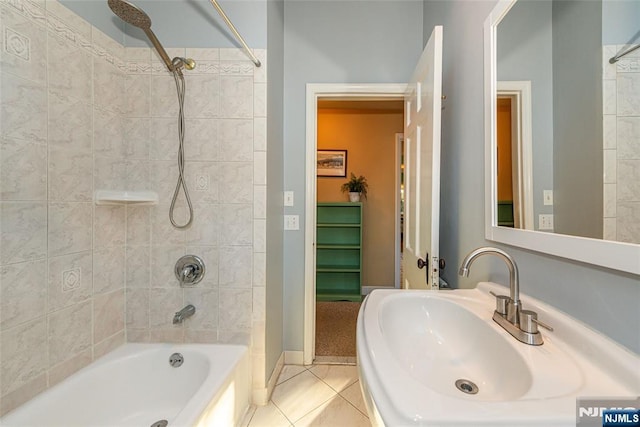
(311,410)
(351,403)
(339,393)
(291,423)
(305,369)
(336,393)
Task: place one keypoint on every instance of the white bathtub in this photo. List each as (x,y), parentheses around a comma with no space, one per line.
(135,386)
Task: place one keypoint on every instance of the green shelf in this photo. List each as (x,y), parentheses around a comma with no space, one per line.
(338,268)
(337,246)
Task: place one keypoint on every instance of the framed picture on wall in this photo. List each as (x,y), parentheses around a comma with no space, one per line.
(332,163)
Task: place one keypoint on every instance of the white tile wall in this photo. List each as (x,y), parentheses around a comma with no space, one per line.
(621,94)
(23,169)
(62,260)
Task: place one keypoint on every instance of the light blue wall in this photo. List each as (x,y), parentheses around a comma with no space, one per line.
(275,180)
(462,166)
(577,111)
(620,21)
(97,12)
(334,42)
(604,299)
(184,23)
(525,53)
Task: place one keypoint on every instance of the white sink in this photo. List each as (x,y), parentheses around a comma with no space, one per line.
(414,345)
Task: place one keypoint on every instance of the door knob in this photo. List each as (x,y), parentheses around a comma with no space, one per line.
(422,263)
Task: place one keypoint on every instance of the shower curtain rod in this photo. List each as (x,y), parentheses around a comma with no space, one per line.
(235,32)
(618,56)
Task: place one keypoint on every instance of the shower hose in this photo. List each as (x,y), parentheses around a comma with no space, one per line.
(180,88)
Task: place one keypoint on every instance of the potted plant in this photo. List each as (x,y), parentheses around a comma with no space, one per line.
(356,187)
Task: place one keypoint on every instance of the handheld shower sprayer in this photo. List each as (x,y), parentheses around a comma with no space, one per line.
(138,18)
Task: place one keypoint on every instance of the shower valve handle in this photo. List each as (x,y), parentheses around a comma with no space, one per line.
(189,270)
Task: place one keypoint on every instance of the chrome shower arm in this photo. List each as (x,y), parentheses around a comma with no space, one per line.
(235,32)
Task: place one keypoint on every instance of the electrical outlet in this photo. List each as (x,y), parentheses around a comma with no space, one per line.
(545,222)
(547,197)
(288,198)
(292,222)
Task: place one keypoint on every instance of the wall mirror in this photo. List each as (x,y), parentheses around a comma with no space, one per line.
(562,131)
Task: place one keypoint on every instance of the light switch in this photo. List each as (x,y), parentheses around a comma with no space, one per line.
(288,198)
(547,196)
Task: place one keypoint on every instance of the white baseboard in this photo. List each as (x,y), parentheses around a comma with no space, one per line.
(294,358)
(273,379)
(261,396)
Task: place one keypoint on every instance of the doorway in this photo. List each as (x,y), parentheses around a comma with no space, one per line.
(515,198)
(357,244)
(328,94)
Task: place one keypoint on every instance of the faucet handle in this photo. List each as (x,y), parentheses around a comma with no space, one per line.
(501,303)
(189,270)
(544,325)
(529,322)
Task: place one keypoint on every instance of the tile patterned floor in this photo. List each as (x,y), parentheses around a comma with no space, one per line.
(318,395)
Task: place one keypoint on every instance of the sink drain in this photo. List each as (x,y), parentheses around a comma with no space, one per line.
(467,386)
(161,423)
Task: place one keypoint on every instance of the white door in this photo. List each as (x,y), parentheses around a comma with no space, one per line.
(422,168)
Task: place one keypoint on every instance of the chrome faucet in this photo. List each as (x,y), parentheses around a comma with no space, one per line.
(181,315)
(521,324)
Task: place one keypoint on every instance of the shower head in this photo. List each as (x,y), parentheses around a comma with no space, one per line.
(136,17)
(130,14)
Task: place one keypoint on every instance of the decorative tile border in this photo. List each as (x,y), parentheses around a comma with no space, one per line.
(202,67)
(62,30)
(628,65)
(28,10)
(236,68)
(132,67)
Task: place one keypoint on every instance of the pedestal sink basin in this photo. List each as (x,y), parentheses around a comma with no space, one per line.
(443,343)
(437,358)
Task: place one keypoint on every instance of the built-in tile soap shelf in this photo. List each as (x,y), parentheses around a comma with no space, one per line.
(115,197)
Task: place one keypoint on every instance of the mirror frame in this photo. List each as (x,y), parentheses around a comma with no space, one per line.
(610,254)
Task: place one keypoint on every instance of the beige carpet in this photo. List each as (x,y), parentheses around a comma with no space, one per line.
(336,328)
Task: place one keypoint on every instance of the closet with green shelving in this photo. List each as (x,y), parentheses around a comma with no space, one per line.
(339,251)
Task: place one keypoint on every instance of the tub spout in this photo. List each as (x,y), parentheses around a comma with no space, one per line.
(181,315)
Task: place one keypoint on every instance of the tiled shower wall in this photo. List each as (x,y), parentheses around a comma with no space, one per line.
(81,113)
(62,296)
(621,129)
(225,175)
